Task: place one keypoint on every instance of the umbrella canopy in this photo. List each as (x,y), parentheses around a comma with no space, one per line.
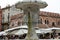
(25,26)
(21,31)
(45,30)
(54,28)
(3,33)
(38,31)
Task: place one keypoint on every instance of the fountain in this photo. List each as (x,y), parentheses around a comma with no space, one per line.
(31,9)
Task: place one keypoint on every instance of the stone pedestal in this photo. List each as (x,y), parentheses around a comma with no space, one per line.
(32,21)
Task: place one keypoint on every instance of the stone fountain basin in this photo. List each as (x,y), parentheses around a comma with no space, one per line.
(39,4)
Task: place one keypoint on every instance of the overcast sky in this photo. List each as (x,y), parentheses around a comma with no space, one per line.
(53,5)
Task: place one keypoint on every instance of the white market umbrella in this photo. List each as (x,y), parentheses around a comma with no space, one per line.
(3,33)
(25,26)
(57,29)
(20,32)
(54,28)
(45,30)
(38,31)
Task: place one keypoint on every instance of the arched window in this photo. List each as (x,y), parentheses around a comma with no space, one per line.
(46,22)
(53,24)
(40,21)
(12,24)
(19,23)
(58,22)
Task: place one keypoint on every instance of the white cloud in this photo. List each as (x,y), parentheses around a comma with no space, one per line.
(4,3)
(53,5)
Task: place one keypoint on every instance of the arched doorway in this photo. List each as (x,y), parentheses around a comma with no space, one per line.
(53,23)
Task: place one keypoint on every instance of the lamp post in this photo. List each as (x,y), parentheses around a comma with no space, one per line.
(31,9)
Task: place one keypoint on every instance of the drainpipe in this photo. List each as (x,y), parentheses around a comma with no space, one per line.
(8,20)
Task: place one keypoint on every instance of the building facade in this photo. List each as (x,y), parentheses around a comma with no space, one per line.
(16,20)
(0,19)
(46,20)
(13,17)
(50,18)
(7,12)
